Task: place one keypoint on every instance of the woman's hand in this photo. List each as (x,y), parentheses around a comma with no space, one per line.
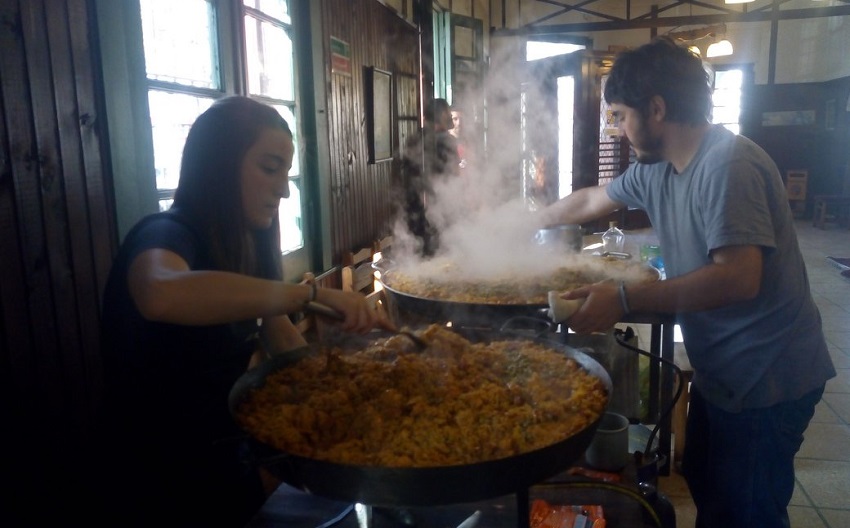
(360,317)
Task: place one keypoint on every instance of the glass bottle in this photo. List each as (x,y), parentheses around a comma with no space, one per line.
(613,240)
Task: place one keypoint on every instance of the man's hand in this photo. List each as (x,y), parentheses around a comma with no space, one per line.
(601,309)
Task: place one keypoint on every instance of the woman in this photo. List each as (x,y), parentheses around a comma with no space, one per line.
(193,294)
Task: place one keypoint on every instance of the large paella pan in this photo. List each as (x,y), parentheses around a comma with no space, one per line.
(415,466)
(448,291)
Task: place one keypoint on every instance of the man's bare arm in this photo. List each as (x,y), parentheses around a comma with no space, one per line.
(578,207)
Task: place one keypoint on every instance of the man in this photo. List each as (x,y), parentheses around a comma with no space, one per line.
(428,156)
(735,279)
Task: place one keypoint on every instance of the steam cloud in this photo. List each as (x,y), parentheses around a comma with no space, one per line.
(483,216)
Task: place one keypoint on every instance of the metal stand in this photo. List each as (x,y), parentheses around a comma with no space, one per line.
(660,378)
(523,510)
(364,515)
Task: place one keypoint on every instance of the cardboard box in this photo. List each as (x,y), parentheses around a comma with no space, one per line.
(795,184)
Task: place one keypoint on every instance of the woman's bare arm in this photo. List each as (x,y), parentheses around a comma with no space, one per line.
(166,290)
(280,335)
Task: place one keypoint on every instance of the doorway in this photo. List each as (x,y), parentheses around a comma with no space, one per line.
(563,125)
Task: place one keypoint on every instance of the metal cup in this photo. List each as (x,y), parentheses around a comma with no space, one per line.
(560,237)
(609,449)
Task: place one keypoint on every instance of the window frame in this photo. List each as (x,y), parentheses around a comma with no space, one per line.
(128,123)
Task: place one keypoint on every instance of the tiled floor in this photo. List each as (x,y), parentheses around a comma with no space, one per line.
(822,493)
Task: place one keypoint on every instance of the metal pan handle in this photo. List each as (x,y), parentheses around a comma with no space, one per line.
(324,310)
(383,264)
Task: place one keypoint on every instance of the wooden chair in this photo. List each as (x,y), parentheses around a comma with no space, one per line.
(381,247)
(358,275)
(357,272)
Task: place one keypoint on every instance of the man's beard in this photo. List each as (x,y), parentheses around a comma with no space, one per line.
(649,157)
(647,148)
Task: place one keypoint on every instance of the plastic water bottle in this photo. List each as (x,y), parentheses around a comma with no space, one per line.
(613,240)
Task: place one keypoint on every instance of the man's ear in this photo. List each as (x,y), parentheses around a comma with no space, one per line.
(657,108)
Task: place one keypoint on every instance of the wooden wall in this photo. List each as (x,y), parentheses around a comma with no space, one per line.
(361,195)
(819,147)
(56,240)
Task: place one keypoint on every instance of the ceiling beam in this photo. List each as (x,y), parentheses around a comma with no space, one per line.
(677,21)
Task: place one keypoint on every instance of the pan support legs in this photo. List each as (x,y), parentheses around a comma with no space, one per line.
(364,515)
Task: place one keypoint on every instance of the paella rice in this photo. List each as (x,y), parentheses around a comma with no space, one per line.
(455,403)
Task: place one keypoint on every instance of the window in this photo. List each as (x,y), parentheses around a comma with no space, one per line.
(186,71)
(726,97)
(536,50)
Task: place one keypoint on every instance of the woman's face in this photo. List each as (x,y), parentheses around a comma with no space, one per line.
(265,177)
(456,121)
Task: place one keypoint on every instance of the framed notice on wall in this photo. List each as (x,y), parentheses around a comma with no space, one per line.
(829,115)
(379,114)
(340,57)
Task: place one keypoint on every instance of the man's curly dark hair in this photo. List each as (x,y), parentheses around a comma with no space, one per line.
(666,69)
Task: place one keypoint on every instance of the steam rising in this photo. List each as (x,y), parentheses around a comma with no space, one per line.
(494,242)
(485,219)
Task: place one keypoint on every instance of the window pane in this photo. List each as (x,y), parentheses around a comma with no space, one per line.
(269,51)
(171,116)
(291,224)
(566,113)
(180,44)
(278,9)
(289,116)
(535,50)
(727,99)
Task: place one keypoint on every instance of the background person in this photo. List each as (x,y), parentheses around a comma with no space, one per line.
(427,157)
(735,279)
(458,131)
(193,294)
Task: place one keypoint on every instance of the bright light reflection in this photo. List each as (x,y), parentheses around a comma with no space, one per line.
(535,50)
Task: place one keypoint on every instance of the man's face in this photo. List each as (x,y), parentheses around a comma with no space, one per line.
(639,130)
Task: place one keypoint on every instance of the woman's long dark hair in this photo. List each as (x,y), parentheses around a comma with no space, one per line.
(662,68)
(209,192)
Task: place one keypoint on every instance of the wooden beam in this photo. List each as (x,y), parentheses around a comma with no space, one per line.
(616,25)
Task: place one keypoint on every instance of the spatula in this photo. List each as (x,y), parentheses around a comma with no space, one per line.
(326,311)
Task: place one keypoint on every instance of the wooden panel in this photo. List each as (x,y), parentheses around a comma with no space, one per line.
(361,201)
(15,129)
(56,240)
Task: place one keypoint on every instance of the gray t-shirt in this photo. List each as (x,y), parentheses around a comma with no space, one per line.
(748,354)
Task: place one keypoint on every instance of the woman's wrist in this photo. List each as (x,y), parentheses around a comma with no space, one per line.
(312,292)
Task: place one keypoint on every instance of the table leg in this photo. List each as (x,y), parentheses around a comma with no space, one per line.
(656,402)
(364,515)
(667,380)
(523,509)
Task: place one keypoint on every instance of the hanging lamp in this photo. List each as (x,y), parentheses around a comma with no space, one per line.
(719,49)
